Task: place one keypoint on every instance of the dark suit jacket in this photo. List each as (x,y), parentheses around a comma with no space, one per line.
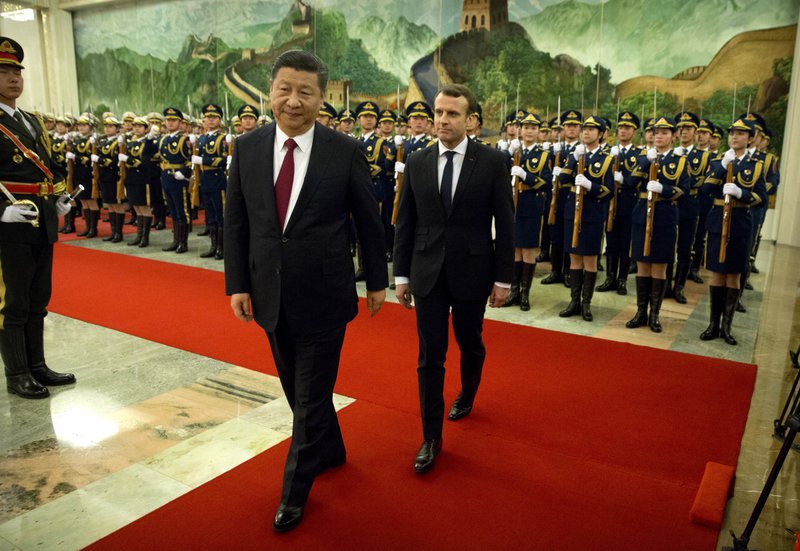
(306,271)
(15,167)
(427,240)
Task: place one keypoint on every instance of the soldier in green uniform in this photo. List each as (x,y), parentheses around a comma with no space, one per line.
(28,229)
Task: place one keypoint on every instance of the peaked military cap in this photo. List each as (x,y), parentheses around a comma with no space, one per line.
(531,118)
(128,116)
(767,133)
(627,118)
(48,117)
(571,117)
(608,122)
(555,123)
(11,52)
(664,122)
(402,119)
(111,121)
(758,121)
(346,115)
(717,133)
(327,110)
(140,121)
(367,108)
(705,126)
(595,122)
(744,124)
(83,119)
(212,110)
(387,115)
(173,113)
(419,109)
(247,111)
(478,113)
(544,126)
(687,118)
(648,123)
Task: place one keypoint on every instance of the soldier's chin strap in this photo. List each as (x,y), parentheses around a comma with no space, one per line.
(25,151)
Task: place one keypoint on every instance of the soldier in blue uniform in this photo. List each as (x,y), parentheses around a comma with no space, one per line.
(418,114)
(212,160)
(60,146)
(346,122)
(248,118)
(175,151)
(773,178)
(157,198)
(662,193)
(618,240)
(137,157)
(475,125)
(28,229)
(704,202)
(81,157)
(327,114)
(689,203)
(107,159)
(571,122)
(534,178)
(744,188)
(384,188)
(596,183)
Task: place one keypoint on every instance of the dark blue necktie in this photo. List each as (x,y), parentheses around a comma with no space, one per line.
(447,183)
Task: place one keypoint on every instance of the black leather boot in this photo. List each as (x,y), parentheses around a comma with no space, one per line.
(643,286)
(69,222)
(94,218)
(576,284)
(622,276)
(681,273)
(117,237)
(218,254)
(34,349)
(557,270)
(206,231)
(19,380)
(610,284)
(717,303)
(589,279)
(669,290)
(112,219)
(183,237)
(86,223)
(134,221)
(513,294)
(139,232)
(657,290)
(525,286)
(728,309)
(147,224)
(175,241)
(212,233)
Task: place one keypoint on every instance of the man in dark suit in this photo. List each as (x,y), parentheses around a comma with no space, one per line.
(28,229)
(291,187)
(445,257)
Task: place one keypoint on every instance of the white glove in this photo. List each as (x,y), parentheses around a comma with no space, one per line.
(652,154)
(229,138)
(121,139)
(556,171)
(580,151)
(514,145)
(179,176)
(679,151)
(583,181)
(70,155)
(518,171)
(399,167)
(654,186)
(228,162)
(62,205)
(729,157)
(152,135)
(92,140)
(546,146)
(122,157)
(557,147)
(732,189)
(95,158)
(18,213)
(197,160)
(614,151)
(192,138)
(618,176)
(503,145)
(398,140)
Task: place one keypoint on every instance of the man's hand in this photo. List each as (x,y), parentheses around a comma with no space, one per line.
(242,306)
(375,300)
(499,296)
(403,294)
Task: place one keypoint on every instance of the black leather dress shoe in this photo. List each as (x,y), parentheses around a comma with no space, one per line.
(287,518)
(25,386)
(457,412)
(46,376)
(426,456)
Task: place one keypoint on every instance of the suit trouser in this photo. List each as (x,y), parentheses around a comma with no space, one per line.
(307,366)
(25,282)
(433,312)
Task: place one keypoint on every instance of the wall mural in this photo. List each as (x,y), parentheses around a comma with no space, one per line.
(712,57)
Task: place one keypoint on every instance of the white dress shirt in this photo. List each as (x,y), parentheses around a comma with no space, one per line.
(10,111)
(302,154)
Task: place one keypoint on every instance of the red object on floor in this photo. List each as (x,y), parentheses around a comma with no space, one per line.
(715,488)
(574,442)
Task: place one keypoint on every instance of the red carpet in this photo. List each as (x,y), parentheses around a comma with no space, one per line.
(575,443)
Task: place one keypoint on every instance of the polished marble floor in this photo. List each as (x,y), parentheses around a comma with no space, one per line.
(132,432)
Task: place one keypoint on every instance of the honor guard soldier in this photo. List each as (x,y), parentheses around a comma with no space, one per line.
(660,178)
(704,202)
(212,160)
(716,139)
(107,158)
(386,182)
(510,143)
(618,237)
(176,155)
(248,116)
(127,123)
(402,125)
(157,200)
(589,178)
(555,130)
(571,122)
(737,183)
(139,152)
(649,134)
(418,114)
(60,145)
(236,124)
(688,204)
(532,178)
(346,122)
(28,229)
(49,123)
(475,125)
(327,113)
(81,157)
(773,178)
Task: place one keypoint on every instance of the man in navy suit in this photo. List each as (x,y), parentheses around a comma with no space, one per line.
(445,256)
(291,187)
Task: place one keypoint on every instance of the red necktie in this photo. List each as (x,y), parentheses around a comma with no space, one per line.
(283,185)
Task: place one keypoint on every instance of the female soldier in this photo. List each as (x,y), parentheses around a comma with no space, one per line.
(595,184)
(81,156)
(141,148)
(738,178)
(107,159)
(657,199)
(534,175)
